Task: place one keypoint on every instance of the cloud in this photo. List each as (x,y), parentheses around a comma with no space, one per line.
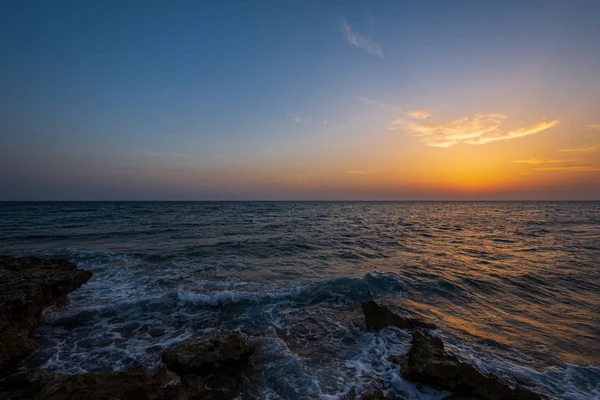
(582,149)
(538,161)
(521,132)
(163,154)
(550,164)
(595,127)
(478,129)
(420,114)
(325,122)
(301,120)
(362,42)
(358,172)
(370,102)
(583,167)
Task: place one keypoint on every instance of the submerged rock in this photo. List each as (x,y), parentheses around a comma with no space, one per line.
(27,286)
(374,394)
(378,317)
(203,357)
(427,362)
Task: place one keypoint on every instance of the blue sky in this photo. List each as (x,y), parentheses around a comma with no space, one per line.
(297,100)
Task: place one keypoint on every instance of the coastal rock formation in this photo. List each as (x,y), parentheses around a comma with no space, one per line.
(131,383)
(427,362)
(203,357)
(378,317)
(27,286)
(196,369)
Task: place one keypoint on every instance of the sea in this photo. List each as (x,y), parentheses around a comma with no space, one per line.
(514,288)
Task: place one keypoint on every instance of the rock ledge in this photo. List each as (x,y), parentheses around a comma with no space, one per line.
(27,286)
(427,362)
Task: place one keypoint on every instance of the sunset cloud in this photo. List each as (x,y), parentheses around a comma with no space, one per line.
(358,172)
(521,132)
(362,42)
(583,167)
(582,149)
(478,129)
(595,127)
(538,161)
(420,114)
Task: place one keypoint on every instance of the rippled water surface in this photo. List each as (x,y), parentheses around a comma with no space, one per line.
(513,287)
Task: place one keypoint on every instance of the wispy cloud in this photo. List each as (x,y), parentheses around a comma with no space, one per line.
(420,114)
(163,154)
(538,161)
(362,42)
(478,129)
(551,164)
(358,172)
(582,167)
(521,132)
(371,102)
(594,127)
(582,149)
(301,120)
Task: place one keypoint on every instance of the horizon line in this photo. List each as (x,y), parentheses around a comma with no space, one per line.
(296,201)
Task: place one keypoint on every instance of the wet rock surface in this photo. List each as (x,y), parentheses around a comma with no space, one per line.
(218,361)
(427,362)
(132,383)
(27,286)
(378,317)
(374,394)
(204,357)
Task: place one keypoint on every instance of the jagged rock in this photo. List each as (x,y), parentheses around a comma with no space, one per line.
(378,317)
(27,286)
(203,357)
(427,362)
(132,383)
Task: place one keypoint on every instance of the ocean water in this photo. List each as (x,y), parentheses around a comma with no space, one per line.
(514,288)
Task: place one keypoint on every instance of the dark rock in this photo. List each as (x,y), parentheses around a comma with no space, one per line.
(378,317)
(27,286)
(196,369)
(203,357)
(427,362)
(132,383)
(157,332)
(374,394)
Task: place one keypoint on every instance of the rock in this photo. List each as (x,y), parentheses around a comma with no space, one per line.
(378,317)
(132,383)
(27,286)
(203,357)
(196,369)
(374,394)
(427,362)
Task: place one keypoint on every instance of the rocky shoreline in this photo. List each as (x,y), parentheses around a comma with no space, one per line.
(199,368)
(28,285)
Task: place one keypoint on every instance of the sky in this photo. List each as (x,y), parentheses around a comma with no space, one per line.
(300,100)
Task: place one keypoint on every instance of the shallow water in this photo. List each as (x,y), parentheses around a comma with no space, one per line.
(513,287)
